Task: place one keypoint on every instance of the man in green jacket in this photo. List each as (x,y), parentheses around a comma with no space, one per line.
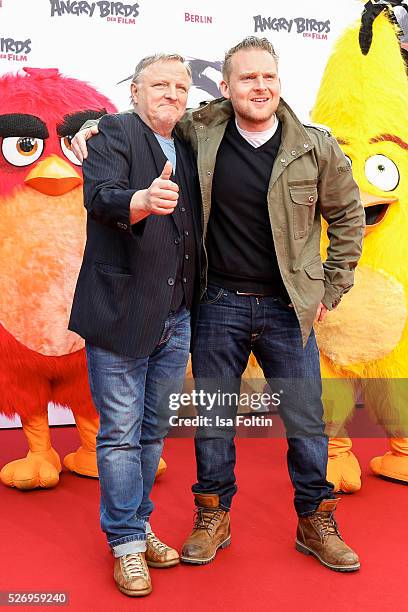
(266,180)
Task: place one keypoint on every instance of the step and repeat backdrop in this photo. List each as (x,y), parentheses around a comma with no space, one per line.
(98,44)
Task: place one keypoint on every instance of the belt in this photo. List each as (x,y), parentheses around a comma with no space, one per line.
(254,294)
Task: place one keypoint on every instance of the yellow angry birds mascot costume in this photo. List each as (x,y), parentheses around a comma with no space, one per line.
(363,98)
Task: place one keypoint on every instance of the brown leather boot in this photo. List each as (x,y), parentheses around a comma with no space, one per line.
(211,531)
(158,554)
(131,575)
(319,536)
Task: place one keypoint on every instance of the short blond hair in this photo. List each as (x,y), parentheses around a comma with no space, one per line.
(250,42)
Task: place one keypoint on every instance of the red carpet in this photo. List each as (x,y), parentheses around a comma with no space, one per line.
(51,540)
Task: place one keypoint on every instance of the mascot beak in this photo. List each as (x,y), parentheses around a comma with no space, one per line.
(376,208)
(53,176)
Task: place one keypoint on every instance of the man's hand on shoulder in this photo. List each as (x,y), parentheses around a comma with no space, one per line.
(159,199)
(78,142)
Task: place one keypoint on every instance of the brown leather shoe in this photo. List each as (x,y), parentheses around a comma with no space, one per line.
(131,575)
(318,535)
(211,531)
(159,554)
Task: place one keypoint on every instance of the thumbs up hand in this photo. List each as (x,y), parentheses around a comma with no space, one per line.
(167,170)
(159,199)
(162,195)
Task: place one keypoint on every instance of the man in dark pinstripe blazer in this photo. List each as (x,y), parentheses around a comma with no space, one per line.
(132,303)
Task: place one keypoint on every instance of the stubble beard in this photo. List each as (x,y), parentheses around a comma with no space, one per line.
(253,116)
(256,119)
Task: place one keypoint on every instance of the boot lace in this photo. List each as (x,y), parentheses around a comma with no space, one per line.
(326,524)
(206,518)
(133,565)
(156,543)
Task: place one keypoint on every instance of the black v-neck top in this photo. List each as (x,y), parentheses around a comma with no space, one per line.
(240,246)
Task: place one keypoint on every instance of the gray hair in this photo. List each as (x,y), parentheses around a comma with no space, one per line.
(159,57)
(250,42)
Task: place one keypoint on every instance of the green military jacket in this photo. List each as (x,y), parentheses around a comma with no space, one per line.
(310,178)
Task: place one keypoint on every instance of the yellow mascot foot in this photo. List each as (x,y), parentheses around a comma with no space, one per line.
(162,467)
(82,462)
(38,469)
(343,469)
(391,466)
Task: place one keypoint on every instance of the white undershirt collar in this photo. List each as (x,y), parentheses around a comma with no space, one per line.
(257,139)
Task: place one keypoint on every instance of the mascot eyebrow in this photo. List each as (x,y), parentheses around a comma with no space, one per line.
(382,138)
(72,123)
(19,124)
(391,138)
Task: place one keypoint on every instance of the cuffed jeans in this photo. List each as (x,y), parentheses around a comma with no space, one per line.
(131,396)
(229,327)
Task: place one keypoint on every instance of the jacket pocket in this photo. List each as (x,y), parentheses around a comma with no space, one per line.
(108,268)
(111,298)
(303,205)
(315,270)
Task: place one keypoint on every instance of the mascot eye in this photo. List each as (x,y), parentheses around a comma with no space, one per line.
(382,172)
(23,150)
(67,150)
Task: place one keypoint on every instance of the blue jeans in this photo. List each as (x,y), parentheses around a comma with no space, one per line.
(131,396)
(230,326)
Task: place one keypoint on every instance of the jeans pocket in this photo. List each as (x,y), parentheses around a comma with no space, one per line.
(279,302)
(212,295)
(89,363)
(285,304)
(165,333)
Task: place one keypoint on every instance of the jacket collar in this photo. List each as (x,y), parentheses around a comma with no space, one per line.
(214,113)
(294,134)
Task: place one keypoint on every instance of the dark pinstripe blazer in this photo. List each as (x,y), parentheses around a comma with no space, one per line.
(123,296)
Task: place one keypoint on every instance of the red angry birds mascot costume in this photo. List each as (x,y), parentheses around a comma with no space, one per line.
(43,234)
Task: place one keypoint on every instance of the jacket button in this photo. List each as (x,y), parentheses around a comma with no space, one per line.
(176,241)
(293,152)
(306,145)
(283,160)
(183,209)
(311,199)
(186,232)
(170,281)
(208,173)
(186,256)
(121,225)
(184,280)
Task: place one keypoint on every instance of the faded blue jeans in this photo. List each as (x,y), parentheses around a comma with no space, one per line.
(131,396)
(229,327)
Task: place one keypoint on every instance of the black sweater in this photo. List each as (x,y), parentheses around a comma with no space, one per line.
(240,246)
